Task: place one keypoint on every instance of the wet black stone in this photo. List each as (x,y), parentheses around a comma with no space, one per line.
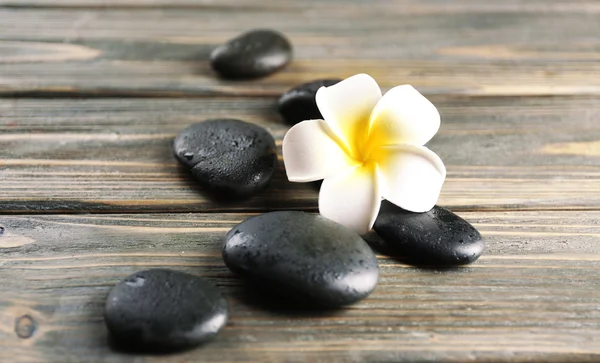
(229,157)
(164,310)
(437,237)
(254,54)
(304,257)
(299,104)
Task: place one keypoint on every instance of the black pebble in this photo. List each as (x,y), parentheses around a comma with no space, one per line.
(304,257)
(253,54)
(164,310)
(230,157)
(299,104)
(437,237)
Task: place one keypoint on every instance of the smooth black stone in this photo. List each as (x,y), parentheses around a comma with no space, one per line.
(164,310)
(253,54)
(304,257)
(299,104)
(437,237)
(229,157)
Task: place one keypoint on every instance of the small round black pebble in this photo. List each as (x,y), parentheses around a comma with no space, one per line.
(304,257)
(299,104)
(229,157)
(254,54)
(438,237)
(164,310)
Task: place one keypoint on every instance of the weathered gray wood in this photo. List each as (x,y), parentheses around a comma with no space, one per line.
(516,84)
(418,6)
(533,296)
(115,155)
(517,48)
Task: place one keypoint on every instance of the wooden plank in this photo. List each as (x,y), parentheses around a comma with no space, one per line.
(431,6)
(449,49)
(115,155)
(533,295)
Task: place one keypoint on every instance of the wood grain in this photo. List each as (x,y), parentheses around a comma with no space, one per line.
(115,155)
(431,6)
(92,93)
(467,47)
(533,296)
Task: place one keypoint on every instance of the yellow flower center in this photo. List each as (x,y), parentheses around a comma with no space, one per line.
(363,143)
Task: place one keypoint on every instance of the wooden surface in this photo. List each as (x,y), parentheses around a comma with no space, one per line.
(92,93)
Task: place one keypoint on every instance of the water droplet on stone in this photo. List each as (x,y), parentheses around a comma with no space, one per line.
(136,282)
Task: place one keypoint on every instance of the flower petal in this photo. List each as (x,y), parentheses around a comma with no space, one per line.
(411,176)
(310,153)
(403,115)
(352,198)
(347,106)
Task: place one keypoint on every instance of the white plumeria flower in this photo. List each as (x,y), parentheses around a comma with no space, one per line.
(368,148)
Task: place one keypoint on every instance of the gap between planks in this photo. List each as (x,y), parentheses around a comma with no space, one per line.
(457,209)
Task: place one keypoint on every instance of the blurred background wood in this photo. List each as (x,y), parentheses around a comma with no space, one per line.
(93,92)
